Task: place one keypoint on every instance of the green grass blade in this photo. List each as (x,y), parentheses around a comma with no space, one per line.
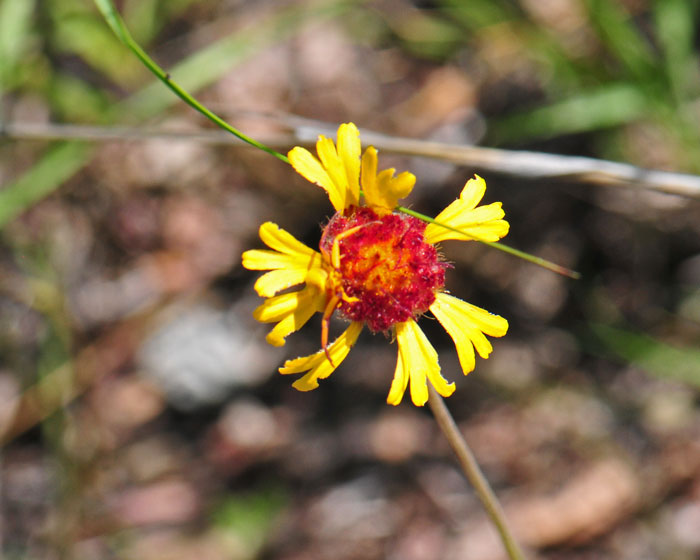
(476,14)
(58,164)
(675,29)
(622,38)
(15,20)
(199,70)
(654,357)
(605,107)
(115,22)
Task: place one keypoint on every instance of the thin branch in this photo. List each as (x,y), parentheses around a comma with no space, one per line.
(530,165)
(518,163)
(471,469)
(95,133)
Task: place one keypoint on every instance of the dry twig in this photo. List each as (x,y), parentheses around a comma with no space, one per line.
(524,164)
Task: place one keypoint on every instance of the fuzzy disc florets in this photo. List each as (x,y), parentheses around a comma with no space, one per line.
(387,273)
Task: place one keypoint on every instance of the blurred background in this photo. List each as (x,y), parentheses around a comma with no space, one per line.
(141,413)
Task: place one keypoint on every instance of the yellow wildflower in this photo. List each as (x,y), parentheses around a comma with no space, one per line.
(377,267)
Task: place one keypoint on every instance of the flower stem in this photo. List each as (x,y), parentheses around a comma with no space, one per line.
(539,261)
(119,28)
(473,473)
(114,20)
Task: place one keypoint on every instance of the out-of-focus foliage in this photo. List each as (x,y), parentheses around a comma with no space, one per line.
(140,409)
(598,65)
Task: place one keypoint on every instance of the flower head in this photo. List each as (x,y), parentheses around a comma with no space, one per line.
(376,267)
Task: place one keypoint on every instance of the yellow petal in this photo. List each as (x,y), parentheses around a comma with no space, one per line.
(369,177)
(337,171)
(466,324)
(333,165)
(349,151)
(276,308)
(273,282)
(290,311)
(291,262)
(483,223)
(488,323)
(473,191)
(288,325)
(399,383)
(311,169)
(262,259)
(421,360)
(382,191)
(317,365)
(281,240)
(292,323)
(395,188)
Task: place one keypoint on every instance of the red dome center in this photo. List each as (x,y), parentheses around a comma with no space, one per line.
(387,270)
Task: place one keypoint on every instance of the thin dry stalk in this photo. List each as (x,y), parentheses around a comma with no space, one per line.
(524,164)
(471,469)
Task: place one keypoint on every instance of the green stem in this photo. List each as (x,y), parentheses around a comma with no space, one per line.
(115,21)
(549,265)
(471,469)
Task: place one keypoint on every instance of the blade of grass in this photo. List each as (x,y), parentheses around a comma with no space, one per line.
(146,18)
(15,19)
(143,18)
(115,22)
(607,106)
(675,29)
(622,38)
(197,71)
(476,14)
(81,32)
(653,356)
(58,164)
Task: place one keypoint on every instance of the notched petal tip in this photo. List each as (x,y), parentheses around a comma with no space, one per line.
(247,258)
(349,149)
(419,395)
(467,325)
(349,142)
(266,227)
(348,128)
(474,189)
(273,339)
(305,384)
(418,365)
(466,221)
(316,366)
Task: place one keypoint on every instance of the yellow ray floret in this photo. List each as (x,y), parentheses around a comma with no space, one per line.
(400,381)
(290,261)
(417,364)
(317,365)
(383,191)
(338,170)
(349,151)
(484,223)
(467,324)
(290,312)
